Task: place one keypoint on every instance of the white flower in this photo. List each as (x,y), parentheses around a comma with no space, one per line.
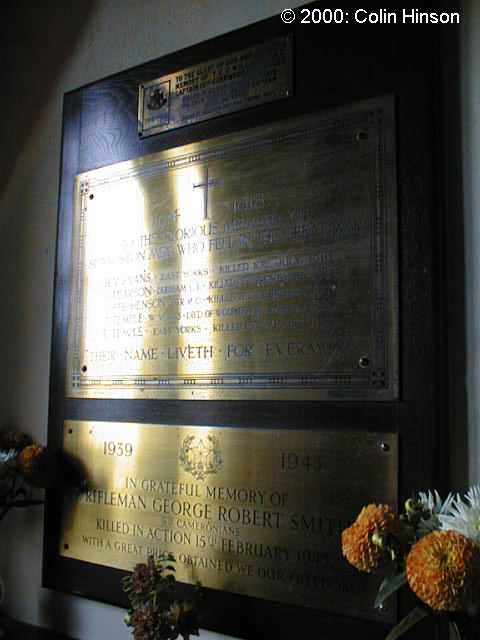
(464,516)
(433,504)
(6,467)
(473,496)
(5,458)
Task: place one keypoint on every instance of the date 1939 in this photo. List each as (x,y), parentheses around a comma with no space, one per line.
(112,448)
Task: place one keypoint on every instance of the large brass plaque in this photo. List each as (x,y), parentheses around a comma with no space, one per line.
(254,512)
(259,265)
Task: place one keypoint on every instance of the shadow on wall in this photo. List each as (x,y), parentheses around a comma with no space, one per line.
(56,611)
(36,41)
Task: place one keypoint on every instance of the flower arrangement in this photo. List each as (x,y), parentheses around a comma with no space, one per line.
(433,548)
(26,465)
(155,613)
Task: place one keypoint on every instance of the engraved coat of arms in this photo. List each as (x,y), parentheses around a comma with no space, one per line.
(200,456)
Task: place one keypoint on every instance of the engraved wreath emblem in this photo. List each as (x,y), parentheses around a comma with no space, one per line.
(200,457)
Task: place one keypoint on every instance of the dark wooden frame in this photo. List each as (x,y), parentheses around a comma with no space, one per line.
(332,67)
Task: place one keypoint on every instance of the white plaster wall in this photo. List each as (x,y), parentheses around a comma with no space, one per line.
(50,47)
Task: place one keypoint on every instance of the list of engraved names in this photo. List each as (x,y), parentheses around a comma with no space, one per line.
(209,272)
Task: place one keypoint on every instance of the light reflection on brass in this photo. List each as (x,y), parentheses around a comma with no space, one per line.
(255,512)
(260,265)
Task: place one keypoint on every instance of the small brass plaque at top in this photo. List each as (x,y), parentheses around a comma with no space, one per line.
(259,265)
(240,80)
(253,512)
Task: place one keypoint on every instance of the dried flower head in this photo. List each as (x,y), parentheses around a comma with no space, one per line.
(154,613)
(144,621)
(362,543)
(46,468)
(443,570)
(15,440)
(31,463)
(144,577)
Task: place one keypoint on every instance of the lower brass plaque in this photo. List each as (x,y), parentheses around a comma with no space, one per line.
(254,512)
(259,265)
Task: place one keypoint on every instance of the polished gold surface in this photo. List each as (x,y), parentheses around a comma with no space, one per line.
(255,512)
(260,265)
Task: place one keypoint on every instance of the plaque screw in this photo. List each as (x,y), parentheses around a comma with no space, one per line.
(364,362)
(66,546)
(91,196)
(384,447)
(362,135)
(84,368)
(70,431)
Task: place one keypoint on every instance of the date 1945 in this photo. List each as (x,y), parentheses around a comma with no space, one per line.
(301,461)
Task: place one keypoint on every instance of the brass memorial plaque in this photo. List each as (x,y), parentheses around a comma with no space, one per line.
(258,265)
(254,512)
(240,80)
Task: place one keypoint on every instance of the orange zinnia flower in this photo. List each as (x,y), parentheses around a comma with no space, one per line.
(443,569)
(357,544)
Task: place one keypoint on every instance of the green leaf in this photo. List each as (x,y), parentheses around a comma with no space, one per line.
(407,623)
(389,586)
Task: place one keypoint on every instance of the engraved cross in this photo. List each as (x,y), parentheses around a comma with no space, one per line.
(204,185)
